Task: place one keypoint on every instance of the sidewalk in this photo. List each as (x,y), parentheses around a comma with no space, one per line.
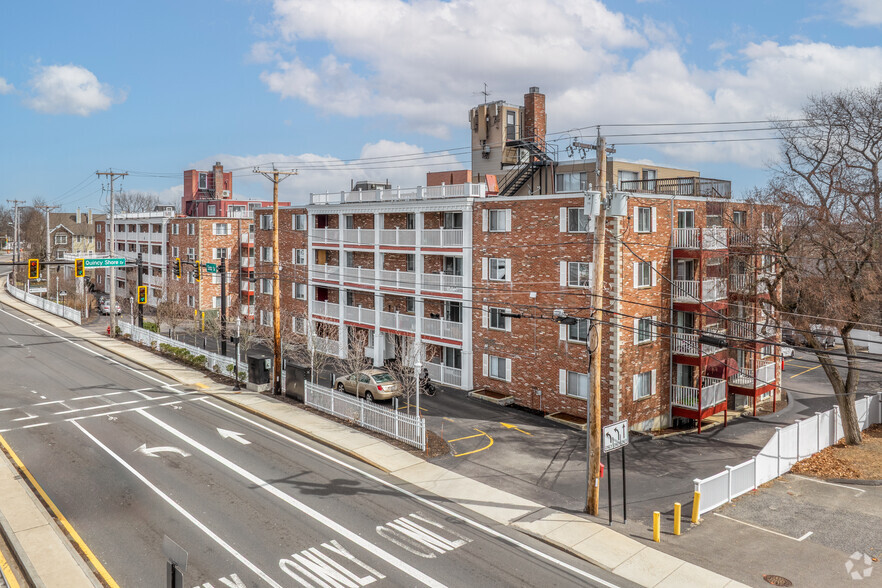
(593,542)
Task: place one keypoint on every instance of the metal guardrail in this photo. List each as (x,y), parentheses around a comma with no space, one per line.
(406,428)
(65,312)
(217,363)
(788,445)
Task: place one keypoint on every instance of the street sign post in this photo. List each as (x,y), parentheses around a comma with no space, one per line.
(615,436)
(211,268)
(110,262)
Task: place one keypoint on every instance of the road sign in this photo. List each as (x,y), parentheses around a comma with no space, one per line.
(211,268)
(113,262)
(615,436)
(40,290)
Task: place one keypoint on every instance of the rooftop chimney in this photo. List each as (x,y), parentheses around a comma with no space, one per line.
(534,116)
(218,171)
(77,220)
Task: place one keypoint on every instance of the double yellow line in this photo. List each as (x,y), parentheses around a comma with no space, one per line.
(68,528)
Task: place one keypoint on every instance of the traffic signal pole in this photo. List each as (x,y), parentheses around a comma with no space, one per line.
(223,310)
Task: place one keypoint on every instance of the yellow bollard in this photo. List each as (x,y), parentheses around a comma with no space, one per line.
(677,512)
(696,499)
(203,322)
(656,527)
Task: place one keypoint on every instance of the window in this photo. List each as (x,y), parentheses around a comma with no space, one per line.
(644,385)
(643,276)
(768,220)
(298,323)
(577,220)
(221,228)
(510,126)
(578,332)
(203,181)
(649,176)
(98,229)
(299,222)
(579,274)
(644,330)
(300,256)
(739,218)
(571,182)
(686,219)
(174,229)
(645,219)
(498,269)
(191,301)
(498,368)
(409,304)
(191,229)
(627,176)
(266,221)
(410,221)
(211,210)
(410,262)
(452,220)
(266,254)
(176,252)
(299,291)
(215,301)
(221,253)
(576,384)
(61,239)
(191,254)
(266,318)
(498,320)
(348,221)
(266,286)
(498,220)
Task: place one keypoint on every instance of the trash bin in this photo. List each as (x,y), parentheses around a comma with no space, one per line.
(260,369)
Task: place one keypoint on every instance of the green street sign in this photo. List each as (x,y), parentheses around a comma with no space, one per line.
(211,268)
(119,261)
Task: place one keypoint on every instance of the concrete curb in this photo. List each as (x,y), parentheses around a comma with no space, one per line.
(18,552)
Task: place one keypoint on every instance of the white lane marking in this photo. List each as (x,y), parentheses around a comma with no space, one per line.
(308,511)
(323,570)
(108,405)
(238,437)
(216,538)
(858,490)
(418,539)
(30,417)
(763,528)
(35,425)
(452,513)
(152,451)
(87,350)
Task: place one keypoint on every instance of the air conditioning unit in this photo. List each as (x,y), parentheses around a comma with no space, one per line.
(226,193)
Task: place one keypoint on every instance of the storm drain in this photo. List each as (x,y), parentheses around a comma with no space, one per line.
(777,580)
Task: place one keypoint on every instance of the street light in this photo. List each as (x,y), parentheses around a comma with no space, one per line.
(236,341)
(417,369)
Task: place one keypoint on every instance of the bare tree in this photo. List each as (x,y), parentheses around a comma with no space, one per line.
(356,359)
(409,353)
(825,249)
(134,202)
(171,311)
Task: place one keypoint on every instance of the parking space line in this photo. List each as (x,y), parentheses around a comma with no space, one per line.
(858,490)
(464,438)
(481,434)
(805,371)
(806,536)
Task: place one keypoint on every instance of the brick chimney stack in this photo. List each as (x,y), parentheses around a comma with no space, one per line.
(218,171)
(534,116)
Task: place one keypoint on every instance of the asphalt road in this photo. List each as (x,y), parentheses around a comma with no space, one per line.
(129,457)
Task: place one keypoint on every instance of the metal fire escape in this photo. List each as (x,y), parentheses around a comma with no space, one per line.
(533,156)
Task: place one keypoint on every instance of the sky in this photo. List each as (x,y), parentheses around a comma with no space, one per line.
(345,90)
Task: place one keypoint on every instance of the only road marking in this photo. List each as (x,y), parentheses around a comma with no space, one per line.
(508,426)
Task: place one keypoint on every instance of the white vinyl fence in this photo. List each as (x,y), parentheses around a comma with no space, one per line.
(213,361)
(788,445)
(406,428)
(67,312)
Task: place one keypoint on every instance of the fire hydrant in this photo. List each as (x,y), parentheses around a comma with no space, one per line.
(108,330)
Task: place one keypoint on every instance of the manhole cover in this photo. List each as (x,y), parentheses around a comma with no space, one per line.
(777,580)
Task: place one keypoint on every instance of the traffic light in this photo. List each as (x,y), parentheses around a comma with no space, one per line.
(197,271)
(80,268)
(142,294)
(177,267)
(33,269)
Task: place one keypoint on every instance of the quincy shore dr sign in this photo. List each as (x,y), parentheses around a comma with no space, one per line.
(111,262)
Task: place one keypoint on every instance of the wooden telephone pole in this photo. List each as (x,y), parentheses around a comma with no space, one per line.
(112,175)
(592,499)
(277,318)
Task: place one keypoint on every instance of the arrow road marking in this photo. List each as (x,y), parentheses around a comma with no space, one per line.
(152,451)
(225,434)
(507,426)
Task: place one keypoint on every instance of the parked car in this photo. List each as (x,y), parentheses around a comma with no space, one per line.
(373,384)
(104,307)
(825,335)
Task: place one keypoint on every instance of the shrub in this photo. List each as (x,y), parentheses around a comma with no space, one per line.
(152,327)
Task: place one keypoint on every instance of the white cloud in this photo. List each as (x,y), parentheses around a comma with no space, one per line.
(69,89)
(862,13)
(5,87)
(403,164)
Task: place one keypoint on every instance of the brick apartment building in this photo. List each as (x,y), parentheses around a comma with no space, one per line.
(481,278)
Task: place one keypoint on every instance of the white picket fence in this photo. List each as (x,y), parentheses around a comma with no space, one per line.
(406,428)
(213,361)
(788,445)
(67,312)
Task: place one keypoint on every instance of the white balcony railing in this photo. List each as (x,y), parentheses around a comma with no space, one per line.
(359,314)
(326,236)
(327,346)
(442,283)
(441,328)
(710,238)
(398,321)
(398,279)
(442,237)
(711,289)
(398,237)
(328,273)
(359,275)
(745,329)
(401,194)
(713,392)
(247,262)
(246,286)
(358,237)
(246,309)
(747,378)
(687,344)
(449,376)
(326,309)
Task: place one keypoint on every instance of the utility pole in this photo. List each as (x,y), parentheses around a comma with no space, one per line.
(277,318)
(15,253)
(112,175)
(223,310)
(592,501)
(140,283)
(46,209)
